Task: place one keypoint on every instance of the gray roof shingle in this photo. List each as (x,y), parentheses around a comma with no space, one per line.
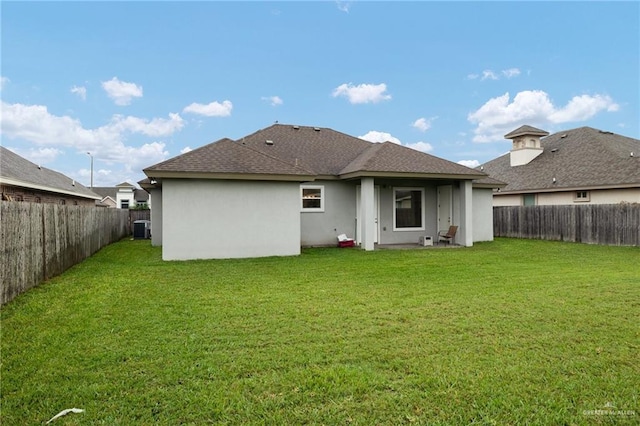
(579,158)
(30,175)
(312,151)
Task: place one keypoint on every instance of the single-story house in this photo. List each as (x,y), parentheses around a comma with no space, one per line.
(287,186)
(570,167)
(22,180)
(123,196)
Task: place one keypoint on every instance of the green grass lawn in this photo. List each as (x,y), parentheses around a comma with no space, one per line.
(509,332)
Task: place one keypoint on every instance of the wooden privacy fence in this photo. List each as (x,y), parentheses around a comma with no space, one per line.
(610,224)
(40,241)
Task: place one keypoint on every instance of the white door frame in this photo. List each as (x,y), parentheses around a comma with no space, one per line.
(445,212)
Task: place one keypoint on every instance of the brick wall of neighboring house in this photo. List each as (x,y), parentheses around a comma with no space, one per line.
(12,193)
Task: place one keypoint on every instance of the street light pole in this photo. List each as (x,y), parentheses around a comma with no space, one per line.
(89,154)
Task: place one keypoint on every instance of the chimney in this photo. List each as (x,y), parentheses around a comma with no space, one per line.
(526,144)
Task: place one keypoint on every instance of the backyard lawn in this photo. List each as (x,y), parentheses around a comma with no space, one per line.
(508,332)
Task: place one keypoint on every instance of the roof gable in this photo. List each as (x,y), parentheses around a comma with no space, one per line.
(389,157)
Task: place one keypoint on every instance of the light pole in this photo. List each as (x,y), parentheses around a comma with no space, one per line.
(89,154)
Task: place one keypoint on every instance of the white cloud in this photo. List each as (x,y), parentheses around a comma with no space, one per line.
(155,127)
(420,146)
(362,93)
(3,82)
(423,124)
(274,100)
(378,137)
(488,74)
(343,6)
(35,124)
(469,163)
(492,75)
(80,91)
(185,150)
(511,72)
(499,116)
(39,156)
(121,92)
(213,109)
(581,108)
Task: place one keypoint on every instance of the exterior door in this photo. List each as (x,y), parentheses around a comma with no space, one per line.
(376,203)
(445,207)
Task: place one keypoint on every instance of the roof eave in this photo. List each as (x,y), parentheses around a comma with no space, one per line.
(23,184)
(570,188)
(228,176)
(410,175)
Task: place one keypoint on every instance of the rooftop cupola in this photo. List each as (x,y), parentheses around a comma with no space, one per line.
(526,144)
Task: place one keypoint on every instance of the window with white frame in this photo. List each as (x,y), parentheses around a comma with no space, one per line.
(408,212)
(124,204)
(582,196)
(312,198)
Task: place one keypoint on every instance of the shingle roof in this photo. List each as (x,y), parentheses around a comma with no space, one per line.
(19,171)
(227,157)
(394,158)
(312,151)
(526,130)
(579,158)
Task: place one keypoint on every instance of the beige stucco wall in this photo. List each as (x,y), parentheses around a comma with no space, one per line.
(596,196)
(215,219)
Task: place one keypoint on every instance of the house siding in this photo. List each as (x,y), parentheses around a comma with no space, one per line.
(339,216)
(155,197)
(387,205)
(14,193)
(482,214)
(596,196)
(216,219)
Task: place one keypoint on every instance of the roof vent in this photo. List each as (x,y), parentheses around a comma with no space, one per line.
(268,142)
(554,150)
(631,155)
(317,129)
(604,132)
(73,183)
(563,136)
(296,127)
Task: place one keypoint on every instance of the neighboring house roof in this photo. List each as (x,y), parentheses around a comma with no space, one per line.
(20,172)
(139,195)
(582,158)
(526,130)
(106,191)
(306,153)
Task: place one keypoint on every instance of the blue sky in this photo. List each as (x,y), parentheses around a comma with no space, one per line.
(137,83)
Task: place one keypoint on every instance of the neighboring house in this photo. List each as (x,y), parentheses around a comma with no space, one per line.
(123,196)
(286,186)
(22,180)
(579,166)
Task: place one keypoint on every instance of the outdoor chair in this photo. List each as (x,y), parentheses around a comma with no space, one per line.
(448,236)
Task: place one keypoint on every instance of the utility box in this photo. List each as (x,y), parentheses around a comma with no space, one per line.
(426,240)
(141,229)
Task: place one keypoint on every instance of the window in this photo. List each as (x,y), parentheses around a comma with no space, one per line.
(312,197)
(408,214)
(124,204)
(582,196)
(529,199)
